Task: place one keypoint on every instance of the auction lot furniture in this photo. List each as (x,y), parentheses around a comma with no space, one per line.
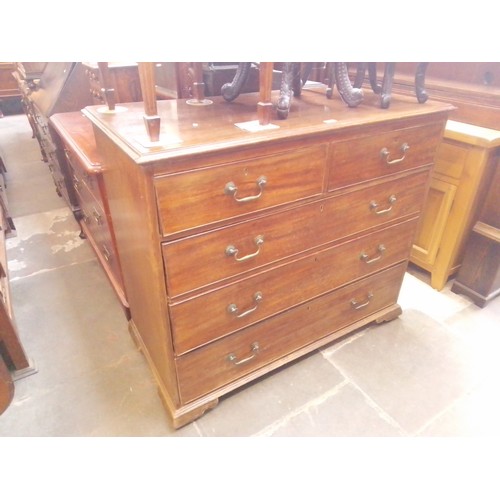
(76,149)
(246,245)
(8,87)
(479,276)
(61,86)
(463,166)
(14,363)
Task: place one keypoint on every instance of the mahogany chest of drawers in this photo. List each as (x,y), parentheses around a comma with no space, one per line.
(76,151)
(242,251)
(464,164)
(62,87)
(124,79)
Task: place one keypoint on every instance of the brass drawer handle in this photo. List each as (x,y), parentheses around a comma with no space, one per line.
(67,155)
(384,154)
(106,253)
(232,251)
(356,305)
(233,308)
(232,358)
(366,258)
(97,217)
(232,189)
(84,217)
(374,205)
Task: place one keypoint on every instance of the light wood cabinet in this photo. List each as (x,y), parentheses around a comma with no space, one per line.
(479,276)
(463,165)
(242,251)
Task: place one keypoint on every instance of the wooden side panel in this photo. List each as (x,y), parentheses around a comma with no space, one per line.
(433,222)
(133,205)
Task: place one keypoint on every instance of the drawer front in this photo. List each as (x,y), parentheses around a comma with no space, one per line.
(82,177)
(94,85)
(193,199)
(238,355)
(213,315)
(360,160)
(205,259)
(95,226)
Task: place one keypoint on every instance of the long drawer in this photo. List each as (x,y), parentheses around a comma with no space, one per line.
(378,155)
(193,199)
(216,314)
(204,259)
(95,225)
(228,359)
(82,175)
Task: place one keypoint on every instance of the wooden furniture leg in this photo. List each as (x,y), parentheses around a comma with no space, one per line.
(385,94)
(420,82)
(291,85)
(198,85)
(108,90)
(230,91)
(350,95)
(265,105)
(151,117)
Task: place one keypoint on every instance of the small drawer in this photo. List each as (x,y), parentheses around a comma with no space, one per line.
(96,227)
(84,176)
(205,259)
(379,155)
(193,199)
(213,315)
(233,357)
(93,214)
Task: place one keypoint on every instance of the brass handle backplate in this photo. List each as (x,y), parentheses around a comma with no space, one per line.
(97,217)
(106,253)
(366,258)
(232,190)
(374,205)
(384,154)
(233,308)
(232,251)
(232,358)
(359,305)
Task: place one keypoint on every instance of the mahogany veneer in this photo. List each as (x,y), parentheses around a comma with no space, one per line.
(243,250)
(77,152)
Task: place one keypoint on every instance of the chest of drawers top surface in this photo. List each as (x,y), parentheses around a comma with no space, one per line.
(76,131)
(189,131)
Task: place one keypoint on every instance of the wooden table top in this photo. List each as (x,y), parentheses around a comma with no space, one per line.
(192,129)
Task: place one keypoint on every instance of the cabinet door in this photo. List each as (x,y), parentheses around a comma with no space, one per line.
(433,222)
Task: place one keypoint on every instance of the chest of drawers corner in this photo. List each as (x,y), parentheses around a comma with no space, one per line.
(241,252)
(76,151)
